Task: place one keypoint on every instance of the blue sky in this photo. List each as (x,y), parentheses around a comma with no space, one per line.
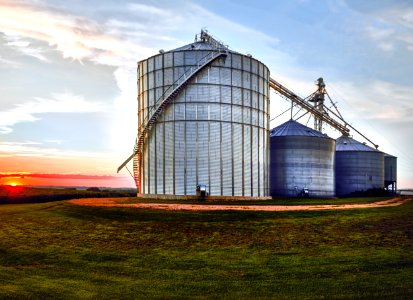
(68,90)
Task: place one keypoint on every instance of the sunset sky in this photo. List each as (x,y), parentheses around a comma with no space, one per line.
(68,73)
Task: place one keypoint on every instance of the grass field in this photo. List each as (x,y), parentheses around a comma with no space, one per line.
(58,250)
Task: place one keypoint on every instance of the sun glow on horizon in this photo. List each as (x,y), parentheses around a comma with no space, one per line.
(14,182)
(66,180)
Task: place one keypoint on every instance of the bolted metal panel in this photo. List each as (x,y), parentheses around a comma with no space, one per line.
(255,162)
(168,157)
(202,152)
(358,167)
(247,161)
(215,158)
(191,156)
(300,162)
(179,158)
(237,158)
(214,132)
(226,155)
(151,163)
(159,158)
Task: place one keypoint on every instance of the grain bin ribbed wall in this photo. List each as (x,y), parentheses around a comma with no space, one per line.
(301,157)
(358,167)
(390,172)
(215,131)
(390,168)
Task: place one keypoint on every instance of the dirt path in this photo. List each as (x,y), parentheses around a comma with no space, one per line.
(112,202)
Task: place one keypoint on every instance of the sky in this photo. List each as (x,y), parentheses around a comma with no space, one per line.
(68,74)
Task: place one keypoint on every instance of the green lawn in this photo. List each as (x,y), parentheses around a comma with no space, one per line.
(58,250)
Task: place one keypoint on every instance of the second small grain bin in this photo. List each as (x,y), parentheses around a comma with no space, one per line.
(359,168)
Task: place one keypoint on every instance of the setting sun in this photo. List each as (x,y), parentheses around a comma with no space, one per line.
(14,182)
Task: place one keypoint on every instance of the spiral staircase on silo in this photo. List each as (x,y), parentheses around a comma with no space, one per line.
(161,104)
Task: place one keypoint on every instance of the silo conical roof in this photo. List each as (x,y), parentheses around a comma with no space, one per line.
(293,128)
(200,45)
(346,143)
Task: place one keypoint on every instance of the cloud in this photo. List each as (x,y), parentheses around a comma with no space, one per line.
(31,149)
(375,100)
(58,142)
(391,27)
(59,103)
(25,48)
(114,41)
(147,9)
(79,37)
(256,35)
(379,33)
(37,157)
(75,36)
(7,63)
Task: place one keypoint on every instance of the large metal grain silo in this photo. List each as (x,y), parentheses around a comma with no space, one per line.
(358,167)
(203,121)
(301,161)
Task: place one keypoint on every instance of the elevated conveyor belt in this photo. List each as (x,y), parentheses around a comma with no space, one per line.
(168,96)
(283,91)
(344,129)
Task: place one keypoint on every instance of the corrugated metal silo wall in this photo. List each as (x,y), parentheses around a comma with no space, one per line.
(298,162)
(215,132)
(358,171)
(390,168)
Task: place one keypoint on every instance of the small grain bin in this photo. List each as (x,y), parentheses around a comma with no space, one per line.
(301,161)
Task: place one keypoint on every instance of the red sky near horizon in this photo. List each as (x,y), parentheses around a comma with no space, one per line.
(65,180)
(57,170)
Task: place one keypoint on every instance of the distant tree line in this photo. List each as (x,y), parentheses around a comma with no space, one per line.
(38,195)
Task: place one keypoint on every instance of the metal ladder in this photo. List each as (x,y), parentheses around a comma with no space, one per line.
(161,104)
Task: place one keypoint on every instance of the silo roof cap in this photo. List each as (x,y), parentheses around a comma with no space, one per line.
(199,45)
(293,128)
(346,143)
